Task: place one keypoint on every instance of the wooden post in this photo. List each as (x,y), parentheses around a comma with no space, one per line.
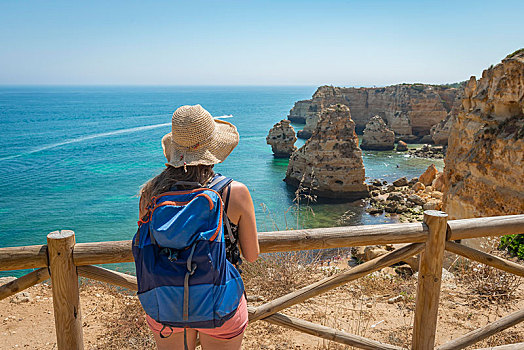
(66,298)
(429,278)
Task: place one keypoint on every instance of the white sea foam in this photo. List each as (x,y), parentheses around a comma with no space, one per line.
(88,137)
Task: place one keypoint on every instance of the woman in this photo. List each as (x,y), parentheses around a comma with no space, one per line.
(195,144)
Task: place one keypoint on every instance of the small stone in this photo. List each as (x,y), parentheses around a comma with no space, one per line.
(436,194)
(403,181)
(402,146)
(22,297)
(97,295)
(404,270)
(396,196)
(419,186)
(413,181)
(416,199)
(396,299)
(377,183)
(391,207)
(429,175)
(374,211)
(369,305)
(401,209)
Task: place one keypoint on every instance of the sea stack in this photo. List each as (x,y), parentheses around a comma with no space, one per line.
(330,164)
(484,165)
(377,136)
(282,139)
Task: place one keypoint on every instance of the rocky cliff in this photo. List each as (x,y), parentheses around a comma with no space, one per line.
(407,108)
(377,136)
(282,139)
(484,165)
(330,163)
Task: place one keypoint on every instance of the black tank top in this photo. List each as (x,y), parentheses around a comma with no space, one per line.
(232,250)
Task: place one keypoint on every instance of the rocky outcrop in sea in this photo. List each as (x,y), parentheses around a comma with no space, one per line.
(419,106)
(377,136)
(484,164)
(282,139)
(330,163)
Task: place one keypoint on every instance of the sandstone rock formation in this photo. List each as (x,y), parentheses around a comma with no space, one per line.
(377,136)
(402,146)
(418,106)
(330,163)
(429,175)
(484,165)
(440,132)
(282,139)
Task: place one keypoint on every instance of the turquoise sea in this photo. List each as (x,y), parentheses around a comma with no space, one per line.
(75,157)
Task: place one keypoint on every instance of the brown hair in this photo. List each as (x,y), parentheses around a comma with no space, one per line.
(165,181)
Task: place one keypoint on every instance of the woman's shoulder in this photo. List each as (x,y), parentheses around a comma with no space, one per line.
(239,190)
(239,198)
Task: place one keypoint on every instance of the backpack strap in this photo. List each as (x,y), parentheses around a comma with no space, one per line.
(219,183)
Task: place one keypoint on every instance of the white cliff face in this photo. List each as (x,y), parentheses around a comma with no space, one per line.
(282,139)
(330,163)
(484,165)
(377,136)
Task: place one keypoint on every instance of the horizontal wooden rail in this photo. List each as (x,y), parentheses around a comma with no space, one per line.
(484,332)
(326,332)
(484,258)
(484,227)
(102,253)
(338,237)
(29,257)
(24,282)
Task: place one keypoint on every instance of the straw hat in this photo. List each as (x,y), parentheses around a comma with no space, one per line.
(197,138)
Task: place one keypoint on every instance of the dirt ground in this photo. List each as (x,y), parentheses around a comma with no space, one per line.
(113,319)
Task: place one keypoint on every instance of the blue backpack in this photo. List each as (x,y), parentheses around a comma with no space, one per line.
(184,278)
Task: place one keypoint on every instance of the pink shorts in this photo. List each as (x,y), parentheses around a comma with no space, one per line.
(230,329)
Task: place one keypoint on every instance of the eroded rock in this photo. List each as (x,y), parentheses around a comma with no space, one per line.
(429,175)
(377,136)
(282,139)
(402,146)
(484,165)
(330,163)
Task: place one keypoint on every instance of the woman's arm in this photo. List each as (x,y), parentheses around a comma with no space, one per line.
(242,212)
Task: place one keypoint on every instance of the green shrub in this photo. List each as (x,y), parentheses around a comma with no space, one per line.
(514,244)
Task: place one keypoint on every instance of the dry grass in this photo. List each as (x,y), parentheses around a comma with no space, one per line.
(486,284)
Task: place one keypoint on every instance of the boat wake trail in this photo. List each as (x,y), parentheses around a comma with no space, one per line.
(88,137)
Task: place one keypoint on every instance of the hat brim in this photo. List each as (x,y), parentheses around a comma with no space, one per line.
(215,150)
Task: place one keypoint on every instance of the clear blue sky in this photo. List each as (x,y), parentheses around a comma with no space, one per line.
(347,43)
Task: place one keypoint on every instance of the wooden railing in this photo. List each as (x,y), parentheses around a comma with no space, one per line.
(63,261)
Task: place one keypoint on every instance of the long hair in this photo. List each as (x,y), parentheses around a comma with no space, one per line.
(165,181)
